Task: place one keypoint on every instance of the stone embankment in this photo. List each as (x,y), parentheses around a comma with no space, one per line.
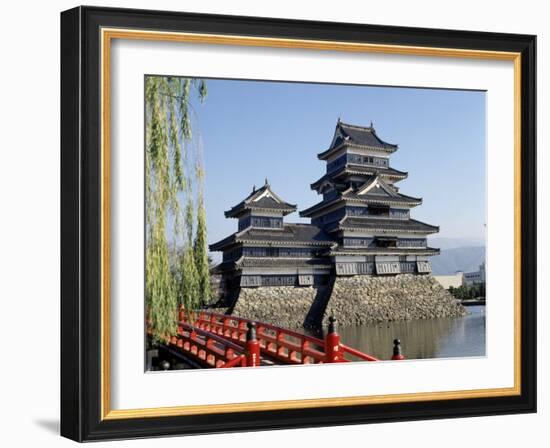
(364,299)
(353,300)
(284,306)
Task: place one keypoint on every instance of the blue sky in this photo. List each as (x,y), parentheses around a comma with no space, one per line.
(250,130)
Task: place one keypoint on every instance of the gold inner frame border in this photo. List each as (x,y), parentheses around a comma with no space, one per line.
(107,35)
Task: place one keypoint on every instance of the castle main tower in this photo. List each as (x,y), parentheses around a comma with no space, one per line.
(363,210)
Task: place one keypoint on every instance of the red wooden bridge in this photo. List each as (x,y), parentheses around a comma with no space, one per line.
(213,340)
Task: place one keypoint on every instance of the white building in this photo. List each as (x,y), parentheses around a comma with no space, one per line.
(472,278)
(456,280)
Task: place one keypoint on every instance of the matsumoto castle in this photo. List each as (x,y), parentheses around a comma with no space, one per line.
(361,226)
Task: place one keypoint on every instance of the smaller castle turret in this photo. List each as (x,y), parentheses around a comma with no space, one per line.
(266,251)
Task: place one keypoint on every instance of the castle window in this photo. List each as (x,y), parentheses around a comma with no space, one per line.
(411,242)
(386,242)
(379,210)
(399,213)
(266,222)
(357,242)
(366,160)
(337,163)
(357,211)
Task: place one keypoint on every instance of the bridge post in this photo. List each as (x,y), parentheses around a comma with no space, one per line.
(397,355)
(332,342)
(252,346)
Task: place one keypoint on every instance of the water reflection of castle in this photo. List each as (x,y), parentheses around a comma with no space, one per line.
(362,225)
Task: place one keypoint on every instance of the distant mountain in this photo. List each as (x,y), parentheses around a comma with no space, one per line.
(465,259)
(453,243)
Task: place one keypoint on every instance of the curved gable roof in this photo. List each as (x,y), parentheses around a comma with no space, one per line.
(354,135)
(261,199)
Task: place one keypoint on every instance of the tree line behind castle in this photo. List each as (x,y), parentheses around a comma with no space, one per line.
(469,292)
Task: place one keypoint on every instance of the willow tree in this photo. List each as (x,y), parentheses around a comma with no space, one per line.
(171,167)
(200,252)
(189,278)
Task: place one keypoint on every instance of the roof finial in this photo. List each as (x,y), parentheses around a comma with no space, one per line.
(253,188)
(371,124)
(266,182)
(338,119)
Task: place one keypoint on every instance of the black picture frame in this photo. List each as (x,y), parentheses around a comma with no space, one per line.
(81,224)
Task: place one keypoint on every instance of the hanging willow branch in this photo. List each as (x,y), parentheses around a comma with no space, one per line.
(174,276)
(200,252)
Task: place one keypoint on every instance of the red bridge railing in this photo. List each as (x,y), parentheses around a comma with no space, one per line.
(286,346)
(207,348)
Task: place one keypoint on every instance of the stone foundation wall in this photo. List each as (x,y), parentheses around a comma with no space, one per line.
(353,300)
(367,299)
(284,306)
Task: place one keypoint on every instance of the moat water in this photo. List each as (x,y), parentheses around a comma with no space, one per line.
(420,339)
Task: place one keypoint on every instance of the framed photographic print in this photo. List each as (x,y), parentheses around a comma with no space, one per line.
(275,224)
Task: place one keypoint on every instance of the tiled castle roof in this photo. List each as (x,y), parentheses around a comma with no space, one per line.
(374,190)
(272,262)
(356,135)
(290,234)
(429,251)
(261,199)
(381,225)
(350,169)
